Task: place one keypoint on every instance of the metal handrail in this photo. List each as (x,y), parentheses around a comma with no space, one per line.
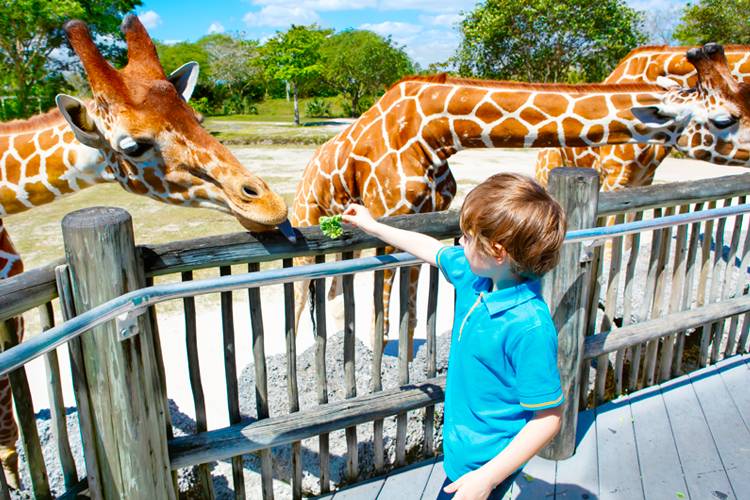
(135,302)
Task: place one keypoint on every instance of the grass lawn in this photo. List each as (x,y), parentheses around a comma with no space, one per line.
(281,110)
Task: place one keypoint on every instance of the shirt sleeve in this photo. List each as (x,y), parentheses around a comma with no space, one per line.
(452,263)
(535,362)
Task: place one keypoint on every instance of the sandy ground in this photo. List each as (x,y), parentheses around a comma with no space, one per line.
(37,236)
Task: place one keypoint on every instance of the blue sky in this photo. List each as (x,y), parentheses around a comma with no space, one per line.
(425,28)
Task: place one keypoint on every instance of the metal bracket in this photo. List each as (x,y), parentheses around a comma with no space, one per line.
(127,323)
(587,249)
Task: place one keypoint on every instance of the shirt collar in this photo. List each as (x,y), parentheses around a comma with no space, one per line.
(498,301)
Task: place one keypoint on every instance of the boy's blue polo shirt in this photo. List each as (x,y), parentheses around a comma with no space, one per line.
(502,365)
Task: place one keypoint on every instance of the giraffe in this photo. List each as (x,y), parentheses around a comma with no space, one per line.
(138,131)
(393,159)
(630,165)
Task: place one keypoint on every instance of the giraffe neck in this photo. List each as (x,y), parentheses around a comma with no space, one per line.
(41,162)
(455,116)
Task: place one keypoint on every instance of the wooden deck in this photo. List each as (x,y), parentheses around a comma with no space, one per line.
(687,438)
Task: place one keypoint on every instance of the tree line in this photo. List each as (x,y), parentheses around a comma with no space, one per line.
(526,40)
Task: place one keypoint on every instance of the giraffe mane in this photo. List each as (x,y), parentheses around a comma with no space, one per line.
(36,122)
(443,78)
(680,48)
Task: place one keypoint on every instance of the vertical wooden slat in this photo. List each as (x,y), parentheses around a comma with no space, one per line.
(261,381)
(78,375)
(4,489)
(726,290)
(610,309)
(711,338)
(704,293)
(377,361)
(319,288)
(230,373)
(429,411)
(205,484)
(291,379)
(592,308)
(693,266)
(739,289)
(657,309)
(58,419)
(350,383)
(403,360)
(629,296)
(675,296)
(24,405)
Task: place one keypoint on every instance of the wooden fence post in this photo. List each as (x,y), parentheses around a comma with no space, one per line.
(122,377)
(565,290)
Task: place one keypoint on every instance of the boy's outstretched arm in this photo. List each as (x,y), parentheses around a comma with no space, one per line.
(420,245)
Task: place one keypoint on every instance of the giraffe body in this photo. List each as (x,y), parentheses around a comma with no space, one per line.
(630,165)
(393,159)
(139,131)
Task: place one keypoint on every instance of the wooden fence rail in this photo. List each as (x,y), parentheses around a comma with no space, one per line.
(642,302)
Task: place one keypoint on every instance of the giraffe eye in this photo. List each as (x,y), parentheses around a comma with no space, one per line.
(137,148)
(724,121)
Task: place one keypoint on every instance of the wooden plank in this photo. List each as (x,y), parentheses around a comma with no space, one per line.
(429,412)
(350,383)
(739,290)
(704,291)
(735,373)
(627,315)
(536,481)
(28,290)
(726,292)
(58,420)
(404,349)
(619,472)
(610,309)
(726,425)
(290,335)
(661,473)
(578,476)
(435,481)
(710,331)
(592,307)
(687,291)
(230,374)
(377,360)
(407,482)
(276,431)
(321,379)
(701,465)
(205,483)
(261,381)
(651,300)
(360,491)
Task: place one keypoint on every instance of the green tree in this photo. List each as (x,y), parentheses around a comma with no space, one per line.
(720,21)
(546,40)
(31,29)
(236,65)
(361,64)
(294,56)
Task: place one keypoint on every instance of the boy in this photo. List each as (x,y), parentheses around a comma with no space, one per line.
(503,395)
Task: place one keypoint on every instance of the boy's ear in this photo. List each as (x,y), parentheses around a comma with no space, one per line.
(500,253)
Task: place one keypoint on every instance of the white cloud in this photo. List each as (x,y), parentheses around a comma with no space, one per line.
(320,5)
(429,6)
(432,46)
(150,19)
(448,20)
(396,29)
(281,16)
(215,27)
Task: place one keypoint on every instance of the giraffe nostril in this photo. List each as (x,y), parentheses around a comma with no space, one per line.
(249,191)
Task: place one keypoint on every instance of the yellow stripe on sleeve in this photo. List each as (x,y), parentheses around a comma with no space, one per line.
(538,405)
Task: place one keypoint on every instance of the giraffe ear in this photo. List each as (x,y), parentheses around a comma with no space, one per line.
(75,113)
(184,79)
(652,115)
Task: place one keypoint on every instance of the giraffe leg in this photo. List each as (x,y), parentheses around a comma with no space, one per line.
(10,265)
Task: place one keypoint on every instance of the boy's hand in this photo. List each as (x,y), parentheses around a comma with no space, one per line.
(359,216)
(474,485)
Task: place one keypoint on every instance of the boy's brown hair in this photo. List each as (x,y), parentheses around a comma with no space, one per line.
(519,214)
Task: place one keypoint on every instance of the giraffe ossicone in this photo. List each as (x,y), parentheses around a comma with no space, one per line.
(393,159)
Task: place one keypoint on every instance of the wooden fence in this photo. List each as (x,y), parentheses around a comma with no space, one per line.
(645,307)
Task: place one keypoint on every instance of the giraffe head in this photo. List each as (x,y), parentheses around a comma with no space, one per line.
(712,120)
(153,140)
